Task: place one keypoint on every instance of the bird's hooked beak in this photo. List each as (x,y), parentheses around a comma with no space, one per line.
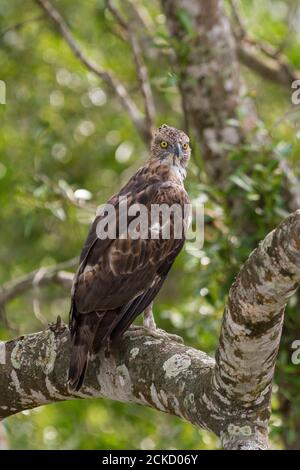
(178,150)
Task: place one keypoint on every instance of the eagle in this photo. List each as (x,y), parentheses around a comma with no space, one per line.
(119,276)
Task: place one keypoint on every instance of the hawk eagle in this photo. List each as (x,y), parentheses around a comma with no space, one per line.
(119,277)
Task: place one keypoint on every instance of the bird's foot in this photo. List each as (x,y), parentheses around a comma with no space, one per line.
(137,331)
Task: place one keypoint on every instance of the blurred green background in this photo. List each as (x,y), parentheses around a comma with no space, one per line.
(62,130)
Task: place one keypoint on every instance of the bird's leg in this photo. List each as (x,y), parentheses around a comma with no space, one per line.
(149,322)
(149,328)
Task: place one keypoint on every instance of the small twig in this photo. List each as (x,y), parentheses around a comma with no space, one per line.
(241,32)
(140,65)
(185,111)
(143,77)
(57,274)
(142,20)
(117,15)
(68,194)
(275,70)
(274,66)
(37,309)
(21,24)
(238,18)
(106,75)
(269,50)
(35,301)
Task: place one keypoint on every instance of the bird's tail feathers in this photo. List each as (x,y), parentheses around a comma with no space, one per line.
(82,339)
(89,333)
(104,329)
(77,369)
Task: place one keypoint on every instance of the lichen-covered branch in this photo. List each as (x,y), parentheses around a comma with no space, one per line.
(159,373)
(252,324)
(229,396)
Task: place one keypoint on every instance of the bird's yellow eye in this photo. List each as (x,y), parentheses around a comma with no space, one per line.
(164,144)
(185,146)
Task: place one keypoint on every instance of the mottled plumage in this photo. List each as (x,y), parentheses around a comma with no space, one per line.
(117,279)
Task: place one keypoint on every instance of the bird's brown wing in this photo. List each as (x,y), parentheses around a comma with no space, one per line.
(118,279)
(132,309)
(140,186)
(125,268)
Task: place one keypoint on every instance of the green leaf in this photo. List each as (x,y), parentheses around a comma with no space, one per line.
(184,20)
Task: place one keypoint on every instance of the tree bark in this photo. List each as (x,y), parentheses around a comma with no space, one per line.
(209,79)
(229,396)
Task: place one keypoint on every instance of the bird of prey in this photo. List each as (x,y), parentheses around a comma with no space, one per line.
(118,277)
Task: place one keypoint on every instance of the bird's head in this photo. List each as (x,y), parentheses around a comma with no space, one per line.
(172,146)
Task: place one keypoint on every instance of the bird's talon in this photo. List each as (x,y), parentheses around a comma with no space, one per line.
(134,327)
(138,331)
(171,336)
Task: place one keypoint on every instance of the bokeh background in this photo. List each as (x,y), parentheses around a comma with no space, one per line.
(66,145)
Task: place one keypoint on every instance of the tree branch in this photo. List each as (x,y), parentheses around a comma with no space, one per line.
(141,69)
(106,75)
(21,24)
(274,66)
(122,376)
(276,70)
(67,193)
(230,397)
(252,323)
(41,276)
